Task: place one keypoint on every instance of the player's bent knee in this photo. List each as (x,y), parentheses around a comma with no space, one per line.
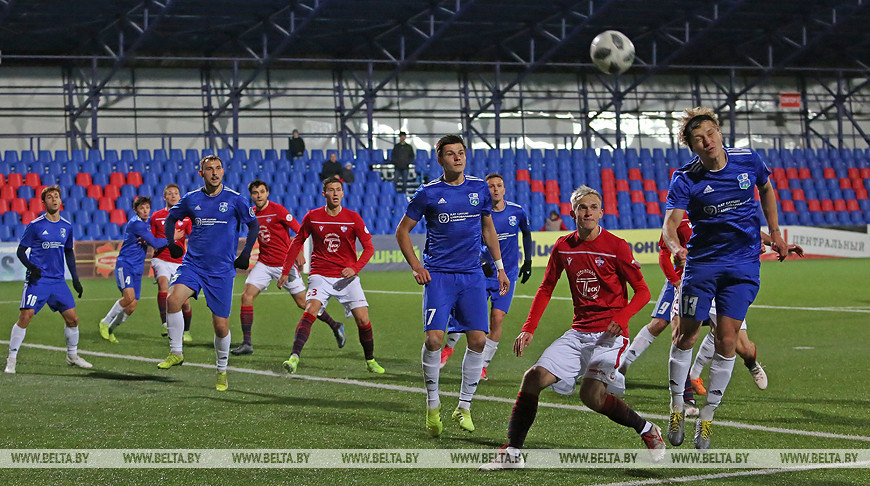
(536,379)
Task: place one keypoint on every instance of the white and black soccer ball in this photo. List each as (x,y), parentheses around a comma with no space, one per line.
(612,52)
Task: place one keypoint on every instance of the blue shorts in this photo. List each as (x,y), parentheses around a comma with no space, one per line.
(665,302)
(734,287)
(218,290)
(461,294)
(54,292)
(500,302)
(128,276)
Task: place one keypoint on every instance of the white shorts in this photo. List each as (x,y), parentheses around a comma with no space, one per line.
(261,275)
(577,355)
(713,316)
(321,288)
(162,268)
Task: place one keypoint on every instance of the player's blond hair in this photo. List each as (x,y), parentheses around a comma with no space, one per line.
(582,192)
(692,118)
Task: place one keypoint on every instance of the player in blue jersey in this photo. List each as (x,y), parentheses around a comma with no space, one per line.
(50,240)
(129,267)
(210,263)
(717,190)
(509,220)
(457,211)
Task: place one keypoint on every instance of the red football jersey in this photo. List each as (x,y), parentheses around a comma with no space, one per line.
(274,239)
(598,271)
(158,222)
(684,233)
(333,239)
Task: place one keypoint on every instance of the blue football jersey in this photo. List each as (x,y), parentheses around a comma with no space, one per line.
(131,252)
(509,222)
(722,208)
(213,244)
(47,240)
(453,232)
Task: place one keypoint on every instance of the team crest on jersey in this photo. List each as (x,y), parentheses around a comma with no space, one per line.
(332,242)
(269,220)
(63,233)
(743,180)
(512,220)
(343,228)
(223,207)
(599,261)
(587,284)
(473,198)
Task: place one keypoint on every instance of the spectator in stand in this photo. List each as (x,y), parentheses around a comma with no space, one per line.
(331,167)
(347,173)
(554,223)
(402,157)
(296,145)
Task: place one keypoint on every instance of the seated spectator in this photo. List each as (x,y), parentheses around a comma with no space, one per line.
(347,173)
(554,223)
(296,146)
(331,167)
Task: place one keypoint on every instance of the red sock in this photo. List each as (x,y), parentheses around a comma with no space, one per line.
(188,316)
(161,304)
(522,417)
(303,330)
(367,340)
(616,410)
(247,318)
(750,363)
(325,317)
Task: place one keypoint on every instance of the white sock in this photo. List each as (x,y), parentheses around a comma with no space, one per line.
(118,320)
(452,339)
(114,311)
(489,351)
(678,370)
(221,351)
(642,341)
(175,327)
(705,354)
(431,372)
(72,339)
(472,364)
(16,337)
(720,374)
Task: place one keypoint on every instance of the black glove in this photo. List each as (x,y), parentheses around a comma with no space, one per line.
(78,287)
(33,275)
(242,261)
(525,271)
(175,251)
(488,271)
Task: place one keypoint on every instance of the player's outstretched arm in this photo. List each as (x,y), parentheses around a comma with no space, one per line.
(490,239)
(70,257)
(768,207)
(671,237)
(243,261)
(403,238)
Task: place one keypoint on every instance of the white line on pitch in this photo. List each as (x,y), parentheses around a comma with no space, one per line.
(409,389)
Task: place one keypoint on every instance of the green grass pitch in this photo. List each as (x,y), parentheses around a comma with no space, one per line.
(809,322)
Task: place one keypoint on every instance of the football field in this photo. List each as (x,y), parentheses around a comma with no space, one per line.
(810,323)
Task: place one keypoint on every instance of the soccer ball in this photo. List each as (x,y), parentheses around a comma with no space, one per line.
(612,52)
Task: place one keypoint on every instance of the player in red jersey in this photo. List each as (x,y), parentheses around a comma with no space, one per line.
(598,265)
(274,241)
(334,269)
(162,263)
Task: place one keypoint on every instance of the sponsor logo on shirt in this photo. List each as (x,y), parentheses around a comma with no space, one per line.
(708,189)
(455,217)
(197,208)
(45,232)
(587,284)
(332,242)
(743,180)
(473,198)
(442,201)
(51,244)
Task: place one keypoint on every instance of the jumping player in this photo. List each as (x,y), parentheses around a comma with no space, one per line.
(129,266)
(334,231)
(49,238)
(162,263)
(457,209)
(598,265)
(275,221)
(210,262)
(509,220)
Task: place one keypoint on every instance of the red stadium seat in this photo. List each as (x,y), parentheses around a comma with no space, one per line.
(607,175)
(35,205)
(18,205)
(787,205)
(611,209)
(861,193)
(8,193)
(4,206)
(845,183)
(829,173)
(95,191)
(27,217)
(663,195)
(852,205)
(653,208)
(118,216)
(14,180)
(781,183)
(856,182)
(106,204)
(116,179)
(813,205)
(551,198)
(779,173)
(865,173)
(112,192)
(32,180)
(798,195)
(83,179)
(2,180)
(804,173)
(565,208)
(621,185)
(854,173)
(839,205)
(649,185)
(671,173)
(536,186)
(523,175)
(827,205)
(134,179)
(637,196)
(634,175)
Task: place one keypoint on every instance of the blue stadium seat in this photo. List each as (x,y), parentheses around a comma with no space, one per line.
(95,156)
(112,232)
(6,232)
(176,155)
